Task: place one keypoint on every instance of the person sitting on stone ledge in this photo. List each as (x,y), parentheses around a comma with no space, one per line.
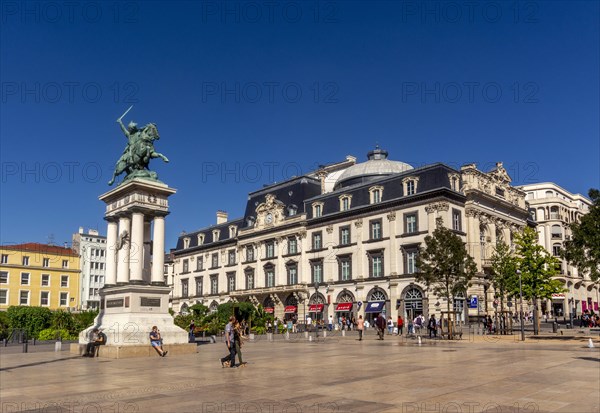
(156,341)
(98,339)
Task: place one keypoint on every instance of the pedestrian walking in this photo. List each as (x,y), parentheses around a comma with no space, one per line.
(390,325)
(432,326)
(400,325)
(360,326)
(229,360)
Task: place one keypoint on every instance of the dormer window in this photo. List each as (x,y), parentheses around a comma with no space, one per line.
(375,194)
(216,234)
(454,182)
(345,201)
(410,185)
(186,243)
(499,192)
(292,210)
(317,209)
(250,221)
(232,231)
(200,239)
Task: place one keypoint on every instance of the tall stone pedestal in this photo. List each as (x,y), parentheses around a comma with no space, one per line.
(135,296)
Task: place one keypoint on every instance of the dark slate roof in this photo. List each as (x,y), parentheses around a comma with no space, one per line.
(208,234)
(292,192)
(431,177)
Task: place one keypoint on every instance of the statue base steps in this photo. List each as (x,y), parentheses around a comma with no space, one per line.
(123,352)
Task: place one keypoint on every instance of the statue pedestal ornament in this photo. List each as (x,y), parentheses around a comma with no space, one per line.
(134,297)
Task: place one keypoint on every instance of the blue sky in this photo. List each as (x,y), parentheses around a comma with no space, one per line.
(248,93)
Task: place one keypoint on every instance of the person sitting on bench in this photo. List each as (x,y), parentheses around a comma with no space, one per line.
(98,339)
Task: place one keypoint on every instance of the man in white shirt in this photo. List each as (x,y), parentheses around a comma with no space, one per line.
(330,325)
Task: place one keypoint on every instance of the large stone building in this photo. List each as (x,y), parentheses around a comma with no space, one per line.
(344,239)
(35,274)
(92,252)
(554,209)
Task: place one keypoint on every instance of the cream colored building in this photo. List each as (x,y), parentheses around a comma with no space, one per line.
(554,209)
(343,240)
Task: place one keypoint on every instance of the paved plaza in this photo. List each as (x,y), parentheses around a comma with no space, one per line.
(336,374)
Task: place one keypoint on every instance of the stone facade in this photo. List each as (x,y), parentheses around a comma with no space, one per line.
(554,209)
(316,246)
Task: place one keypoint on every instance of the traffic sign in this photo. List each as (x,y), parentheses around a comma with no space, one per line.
(474,302)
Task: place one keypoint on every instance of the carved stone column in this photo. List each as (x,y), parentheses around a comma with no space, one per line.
(123,252)
(112,235)
(158,248)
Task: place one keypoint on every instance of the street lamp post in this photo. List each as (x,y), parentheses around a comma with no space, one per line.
(521,299)
(317,312)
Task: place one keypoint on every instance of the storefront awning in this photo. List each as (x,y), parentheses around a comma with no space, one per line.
(290,309)
(315,308)
(375,307)
(343,307)
(269,310)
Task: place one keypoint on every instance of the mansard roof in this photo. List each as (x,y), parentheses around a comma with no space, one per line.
(430,178)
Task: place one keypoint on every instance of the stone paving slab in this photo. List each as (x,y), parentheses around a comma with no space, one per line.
(337,375)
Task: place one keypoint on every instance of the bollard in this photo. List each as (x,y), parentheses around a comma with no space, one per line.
(309,338)
(343,333)
(5,342)
(306,334)
(25,343)
(554,327)
(419,340)
(58,346)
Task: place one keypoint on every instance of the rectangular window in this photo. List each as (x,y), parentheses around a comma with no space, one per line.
(249,280)
(44,298)
(376,264)
(186,266)
(556,250)
(4,297)
(410,223)
(345,235)
(456,220)
(64,299)
(231,257)
(45,280)
(345,204)
(292,245)
(345,268)
(198,286)
(65,263)
(214,284)
(199,263)
(25,260)
(4,258)
(410,188)
(230,282)
(91,292)
(376,196)
(292,274)
(24,298)
(317,271)
(25,278)
(46,262)
(249,253)
(375,230)
(270,249)
(411,262)
(318,211)
(4,277)
(215,260)
(184,288)
(64,281)
(269,277)
(317,240)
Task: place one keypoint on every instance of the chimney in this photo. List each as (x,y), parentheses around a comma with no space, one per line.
(81,230)
(221,217)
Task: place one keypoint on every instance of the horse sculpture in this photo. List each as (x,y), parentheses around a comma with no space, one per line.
(138,152)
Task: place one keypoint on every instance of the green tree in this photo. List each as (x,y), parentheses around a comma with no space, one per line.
(537,268)
(199,311)
(445,266)
(583,249)
(31,319)
(504,271)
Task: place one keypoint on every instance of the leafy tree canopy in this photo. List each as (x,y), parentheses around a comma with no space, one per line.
(583,249)
(444,264)
(537,267)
